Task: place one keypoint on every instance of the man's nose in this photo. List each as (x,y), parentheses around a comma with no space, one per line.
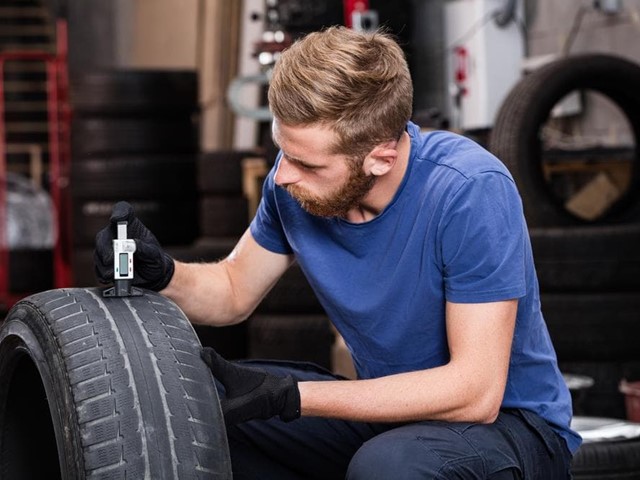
(286,174)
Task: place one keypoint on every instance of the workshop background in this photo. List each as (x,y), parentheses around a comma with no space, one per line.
(161,103)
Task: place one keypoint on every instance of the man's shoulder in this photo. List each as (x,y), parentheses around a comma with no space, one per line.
(456,152)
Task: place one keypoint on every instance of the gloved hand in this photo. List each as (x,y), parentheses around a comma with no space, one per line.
(153,268)
(252,393)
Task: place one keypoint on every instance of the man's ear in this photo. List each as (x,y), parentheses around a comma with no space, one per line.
(381,159)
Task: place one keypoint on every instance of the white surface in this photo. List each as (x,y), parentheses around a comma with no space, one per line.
(494,62)
(596,429)
(245,132)
(29,215)
(577,382)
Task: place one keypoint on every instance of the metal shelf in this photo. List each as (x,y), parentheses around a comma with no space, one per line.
(58,121)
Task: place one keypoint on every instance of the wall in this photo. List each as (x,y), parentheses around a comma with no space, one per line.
(550,23)
(571,28)
(165,33)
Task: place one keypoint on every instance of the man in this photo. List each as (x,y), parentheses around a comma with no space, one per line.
(417,248)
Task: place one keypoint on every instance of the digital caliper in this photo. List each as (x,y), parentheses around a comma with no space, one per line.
(123,250)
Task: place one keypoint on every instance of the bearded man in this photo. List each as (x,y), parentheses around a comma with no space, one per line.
(416,245)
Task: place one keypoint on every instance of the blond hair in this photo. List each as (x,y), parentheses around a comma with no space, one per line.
(358,84)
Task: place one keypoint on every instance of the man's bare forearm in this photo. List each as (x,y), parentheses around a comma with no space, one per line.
(205,294)
(434,394)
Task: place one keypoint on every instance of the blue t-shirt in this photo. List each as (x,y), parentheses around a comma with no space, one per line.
(454,231)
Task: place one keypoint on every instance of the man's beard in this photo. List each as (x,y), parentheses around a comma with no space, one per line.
(339,203)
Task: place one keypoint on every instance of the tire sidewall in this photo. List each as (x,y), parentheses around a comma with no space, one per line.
(18,337)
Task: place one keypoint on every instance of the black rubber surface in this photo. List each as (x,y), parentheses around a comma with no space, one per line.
(30,270)
(608,460)
(223,216)
(127,92)
(220,172)
(593,326)
(306,338)
(602,258)
(291,294)
(117,136)
(134,176)
(127,393)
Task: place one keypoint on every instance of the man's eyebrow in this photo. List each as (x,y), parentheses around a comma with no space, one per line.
(298,161)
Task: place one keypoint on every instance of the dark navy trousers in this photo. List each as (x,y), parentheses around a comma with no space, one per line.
(518,445)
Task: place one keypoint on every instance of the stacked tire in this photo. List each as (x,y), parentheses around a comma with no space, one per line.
(224,211)
(135,137)
(588,270)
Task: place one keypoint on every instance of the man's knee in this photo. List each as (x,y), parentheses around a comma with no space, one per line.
(406,456)
(378,458)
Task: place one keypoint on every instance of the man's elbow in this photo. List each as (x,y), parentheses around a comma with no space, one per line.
(483,408)
(490,416)
(488,408)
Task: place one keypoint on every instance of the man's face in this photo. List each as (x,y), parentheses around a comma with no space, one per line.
(344,196)
(324,183)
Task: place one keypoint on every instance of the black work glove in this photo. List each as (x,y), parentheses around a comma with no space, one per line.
(152,267)
(252,393)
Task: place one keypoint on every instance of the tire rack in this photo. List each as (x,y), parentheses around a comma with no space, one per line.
(59,116)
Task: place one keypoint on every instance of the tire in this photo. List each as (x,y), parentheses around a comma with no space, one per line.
(229,341)
(515,135)
(593,327)
(291,294)
(134,176)
(220,172)
(595,259)
(304,338)
(121,136)
(30,270)
(223,216)
(127,92)
(607,459)
(106,388)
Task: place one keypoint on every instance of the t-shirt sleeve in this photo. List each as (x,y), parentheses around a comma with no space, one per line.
(266,227)
(483,241)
